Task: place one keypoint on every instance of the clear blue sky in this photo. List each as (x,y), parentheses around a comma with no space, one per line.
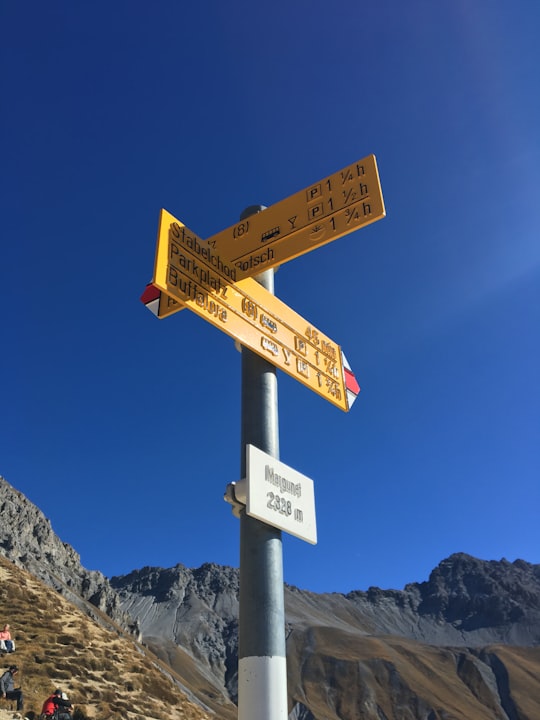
(124,429)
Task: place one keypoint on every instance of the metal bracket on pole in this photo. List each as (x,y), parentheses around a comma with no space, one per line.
(235,495)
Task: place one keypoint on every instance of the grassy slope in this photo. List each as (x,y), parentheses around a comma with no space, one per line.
(105,673)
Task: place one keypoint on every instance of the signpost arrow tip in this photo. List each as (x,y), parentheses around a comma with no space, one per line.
(150,298)
(351,383)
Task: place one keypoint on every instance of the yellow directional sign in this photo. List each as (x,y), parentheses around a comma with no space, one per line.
(325,211)
(188,271)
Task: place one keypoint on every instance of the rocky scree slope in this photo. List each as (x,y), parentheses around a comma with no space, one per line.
(395,648)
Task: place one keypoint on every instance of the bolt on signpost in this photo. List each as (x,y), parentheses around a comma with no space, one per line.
(215,279)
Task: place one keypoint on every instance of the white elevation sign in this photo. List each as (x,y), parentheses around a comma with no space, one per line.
(278,495)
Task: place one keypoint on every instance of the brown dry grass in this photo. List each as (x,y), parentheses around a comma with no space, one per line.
(106,674)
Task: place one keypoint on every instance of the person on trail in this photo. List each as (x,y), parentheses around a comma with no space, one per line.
(57,701)
(6,641)
(8,689)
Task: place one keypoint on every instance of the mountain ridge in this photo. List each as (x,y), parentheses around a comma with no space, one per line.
(463,644)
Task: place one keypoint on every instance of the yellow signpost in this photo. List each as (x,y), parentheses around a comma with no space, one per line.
(323,212)
(214,277)
(187,271)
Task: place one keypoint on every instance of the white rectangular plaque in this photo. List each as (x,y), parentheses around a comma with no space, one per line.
(278,495)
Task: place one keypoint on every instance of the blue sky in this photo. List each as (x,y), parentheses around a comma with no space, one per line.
(124,429)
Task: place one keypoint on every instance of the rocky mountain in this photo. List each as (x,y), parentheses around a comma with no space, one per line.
(28,540)
(463,645)
(446,632)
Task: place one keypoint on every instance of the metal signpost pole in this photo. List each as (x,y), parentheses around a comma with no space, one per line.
(214,278)
(262,668)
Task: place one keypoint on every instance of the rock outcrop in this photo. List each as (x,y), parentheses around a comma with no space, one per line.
(28,540)
(195,609)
